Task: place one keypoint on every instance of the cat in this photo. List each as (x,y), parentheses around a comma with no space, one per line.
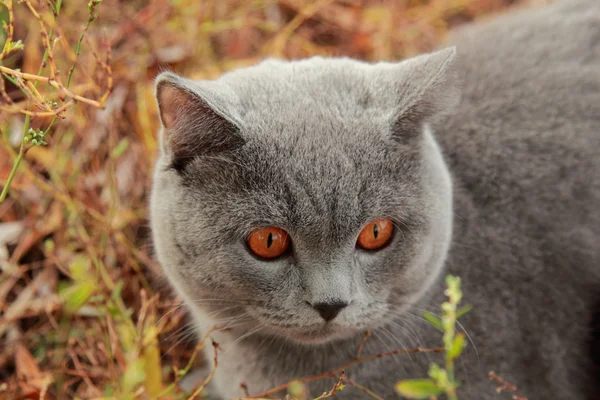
(298,204)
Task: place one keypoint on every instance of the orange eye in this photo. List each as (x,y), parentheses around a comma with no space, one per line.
(268,242)
(376,234)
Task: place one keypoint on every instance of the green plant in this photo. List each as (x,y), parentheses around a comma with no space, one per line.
(57,98)
(441,380)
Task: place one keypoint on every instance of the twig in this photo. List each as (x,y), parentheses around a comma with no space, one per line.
(91,19)
(59,112)
(362,343)
(3,92)
(10,32)
(200,346)
(35,94)
(244,387)
(83,374)
(505,385)
(335,371)
(368,391)
(45,41)
(109,76)
(210,375)
(335,387)
(52,82)
(24,82)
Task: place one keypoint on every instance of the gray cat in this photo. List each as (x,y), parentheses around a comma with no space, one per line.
(299,204)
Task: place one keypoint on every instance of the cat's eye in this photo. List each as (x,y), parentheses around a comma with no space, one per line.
(268,243)
(376,234)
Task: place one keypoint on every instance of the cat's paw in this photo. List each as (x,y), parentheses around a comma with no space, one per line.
(195,378)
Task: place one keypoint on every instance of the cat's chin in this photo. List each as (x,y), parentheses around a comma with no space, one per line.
(325,334)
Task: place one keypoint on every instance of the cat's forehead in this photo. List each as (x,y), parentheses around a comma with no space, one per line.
(338,86)
(318,121)
(273,74)
(316,100)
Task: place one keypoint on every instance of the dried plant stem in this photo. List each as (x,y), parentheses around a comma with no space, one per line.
(338,384)
(45,41)
(334,372)
(362,343)
(91,19)
(3,92)
(58,113)
(28,83)
(368,391)
(200,346)
(52,82)
(10,31)
(207,380)
(505,385)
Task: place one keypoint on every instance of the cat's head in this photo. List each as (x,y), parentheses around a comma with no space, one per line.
(304,198)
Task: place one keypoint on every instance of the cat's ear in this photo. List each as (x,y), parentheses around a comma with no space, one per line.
(194,121)
(427,87)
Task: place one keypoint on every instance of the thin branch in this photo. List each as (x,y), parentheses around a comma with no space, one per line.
(335,387)
(45,41)
(34,98)
(10,31)
(368,391)
(91,19)
(334,372)
(200,388)
(54,83)
(505,385)
(109,76)
(362,343)
(178,373)
(3,92)
(244,387)
(37,96)
(58,113)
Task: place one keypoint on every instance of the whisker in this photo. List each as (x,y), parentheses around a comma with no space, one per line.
(187,336)
(177,307)
(458,324)
(397,340)
(245,335)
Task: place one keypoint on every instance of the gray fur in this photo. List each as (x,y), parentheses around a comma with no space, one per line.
(503,190)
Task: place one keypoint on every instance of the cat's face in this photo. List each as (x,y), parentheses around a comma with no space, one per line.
(315,151)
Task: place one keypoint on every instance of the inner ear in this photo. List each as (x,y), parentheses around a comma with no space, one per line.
(192,125)
(172,103)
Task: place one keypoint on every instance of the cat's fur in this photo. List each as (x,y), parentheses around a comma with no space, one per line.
(505,193)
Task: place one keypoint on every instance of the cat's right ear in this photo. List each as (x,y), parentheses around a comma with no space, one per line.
(426,87)
(194,121)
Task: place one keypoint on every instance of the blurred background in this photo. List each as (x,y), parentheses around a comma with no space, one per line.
(84,312)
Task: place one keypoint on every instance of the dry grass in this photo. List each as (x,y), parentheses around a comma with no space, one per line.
(81,312)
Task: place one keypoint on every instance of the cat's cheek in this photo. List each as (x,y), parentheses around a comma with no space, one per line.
(371,282)
(262,277)
(384,266)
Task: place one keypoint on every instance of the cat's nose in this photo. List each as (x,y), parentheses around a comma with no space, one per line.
(329,310)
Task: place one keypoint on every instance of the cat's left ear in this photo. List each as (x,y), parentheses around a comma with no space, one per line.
(196,117)
(426,88)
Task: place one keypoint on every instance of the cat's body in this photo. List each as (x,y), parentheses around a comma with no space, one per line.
(302,146)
